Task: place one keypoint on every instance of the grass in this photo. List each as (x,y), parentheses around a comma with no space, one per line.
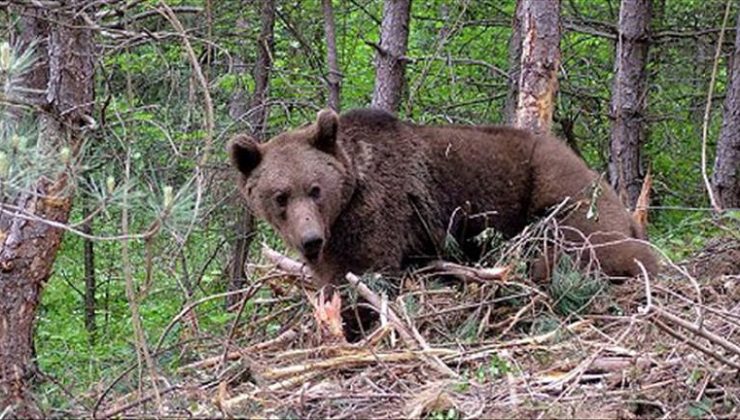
(64,346)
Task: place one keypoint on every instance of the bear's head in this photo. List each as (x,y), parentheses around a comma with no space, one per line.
(299,181)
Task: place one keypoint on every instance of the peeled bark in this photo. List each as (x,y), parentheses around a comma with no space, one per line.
(335,76)
(629,94)
(390,62)
(28,246)
(726,177)
(257,117)
(540,59)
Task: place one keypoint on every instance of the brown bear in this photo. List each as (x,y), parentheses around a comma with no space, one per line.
(365,191)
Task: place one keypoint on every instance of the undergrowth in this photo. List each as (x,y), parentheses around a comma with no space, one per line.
(79,363)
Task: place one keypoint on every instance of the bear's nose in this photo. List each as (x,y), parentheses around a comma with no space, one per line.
(311,245)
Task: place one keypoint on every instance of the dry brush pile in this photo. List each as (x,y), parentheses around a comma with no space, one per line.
(464,341)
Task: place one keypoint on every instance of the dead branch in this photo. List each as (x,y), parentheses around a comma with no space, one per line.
(351,360)
(484,351)
(119,410)
(698,330)
(192,305)
(289,265)
(464,272)
(709,352)
(377,303)
(408,334)
(280,340)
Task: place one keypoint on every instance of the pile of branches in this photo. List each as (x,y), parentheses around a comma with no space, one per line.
(462,341)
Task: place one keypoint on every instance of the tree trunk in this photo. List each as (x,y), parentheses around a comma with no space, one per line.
(257,117)
(240,252)
(262,69)
(89,262)
(540,52)
(335,76)
(515,60)
(28,246)
(629,94)
(726,178)
(390,63)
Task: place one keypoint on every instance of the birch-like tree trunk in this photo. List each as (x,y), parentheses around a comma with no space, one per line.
(540,59)
(334,77)
(515,61)
(257,118)
(389,57)
(64,73)
(629,94)
(726,177)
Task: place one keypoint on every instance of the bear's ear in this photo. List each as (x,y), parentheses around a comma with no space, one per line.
(245,155)
(327,122)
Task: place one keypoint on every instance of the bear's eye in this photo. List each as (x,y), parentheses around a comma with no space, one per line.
(314,192)
(281,199)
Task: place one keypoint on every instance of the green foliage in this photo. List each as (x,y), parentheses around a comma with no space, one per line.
(571,289)
(700,409)
(67,352)
(491,241)
(449,414)
(468,331)
(544,324)
(683,233)
(451,249)
(496,368)
(151,124)
(14,63)
(26,152)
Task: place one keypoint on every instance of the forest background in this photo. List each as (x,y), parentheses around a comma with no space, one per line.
(119,207)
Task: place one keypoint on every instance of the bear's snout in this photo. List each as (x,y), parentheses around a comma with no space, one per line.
(311,244)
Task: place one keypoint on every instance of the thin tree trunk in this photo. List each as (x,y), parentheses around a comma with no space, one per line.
(540,59)
(701,67)
(262,69)
(335,76)
(209,38)
(515,60)
(629,94)
(65,73)
(389,58)
(257,117)
(240,252)
(90,283)
(726,177)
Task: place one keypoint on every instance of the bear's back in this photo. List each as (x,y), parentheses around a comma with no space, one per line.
(486,165)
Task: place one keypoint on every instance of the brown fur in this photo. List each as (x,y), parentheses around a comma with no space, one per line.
(375,192)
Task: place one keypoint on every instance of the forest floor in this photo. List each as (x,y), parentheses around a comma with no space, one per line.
(487,344)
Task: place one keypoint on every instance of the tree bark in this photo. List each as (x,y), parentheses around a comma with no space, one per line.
(515,60)
(89,262)
(540,59)
(335,76)
(629,94)
(389,58)
(257,117)
(262,69)
(28,246)
(726,177)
